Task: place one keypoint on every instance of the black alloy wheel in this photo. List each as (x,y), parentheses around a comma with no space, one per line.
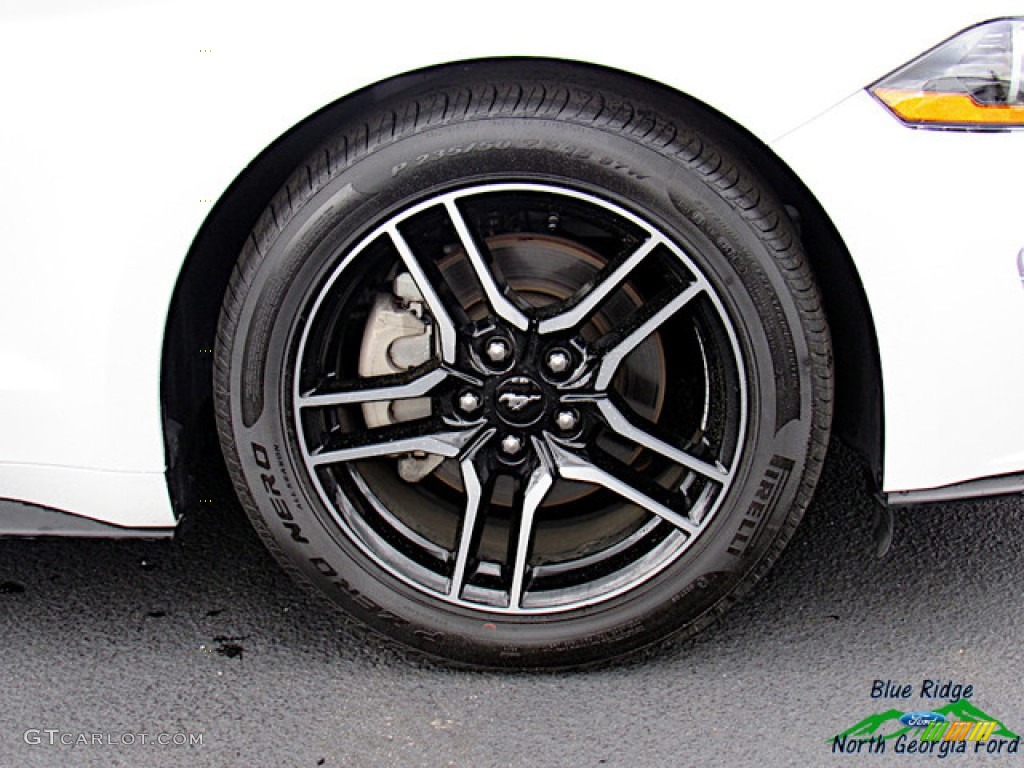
(519,385)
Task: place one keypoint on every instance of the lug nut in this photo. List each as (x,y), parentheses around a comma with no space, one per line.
(567,420)
(558,361)
(469,402)
(497,350)
(511,445)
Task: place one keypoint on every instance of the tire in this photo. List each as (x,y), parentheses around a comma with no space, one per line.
(520,372)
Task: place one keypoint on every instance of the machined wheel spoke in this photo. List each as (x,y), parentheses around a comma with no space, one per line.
(446,328)
(598,292)
(526,458)
(537,487)
(386,388)
(573,467)
(425,436)
(478,492)
(496,298)
(623,341)
(622,426)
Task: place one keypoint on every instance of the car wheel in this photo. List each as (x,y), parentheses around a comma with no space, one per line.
(524,373)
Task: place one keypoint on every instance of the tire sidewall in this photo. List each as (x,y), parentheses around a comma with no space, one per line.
(667,193)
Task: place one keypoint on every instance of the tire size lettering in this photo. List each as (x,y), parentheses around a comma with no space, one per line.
(571,150)
(557,146)
(458,149)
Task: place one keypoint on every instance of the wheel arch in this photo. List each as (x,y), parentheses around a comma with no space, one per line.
(187,362)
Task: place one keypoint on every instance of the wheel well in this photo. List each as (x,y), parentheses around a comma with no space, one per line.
(186,375)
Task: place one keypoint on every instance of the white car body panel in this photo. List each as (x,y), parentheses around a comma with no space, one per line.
(127,499)
(128,120)
(941,275)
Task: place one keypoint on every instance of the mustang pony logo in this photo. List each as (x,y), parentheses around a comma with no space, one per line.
(515,401)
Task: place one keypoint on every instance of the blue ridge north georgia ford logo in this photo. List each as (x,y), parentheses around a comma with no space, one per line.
(957,727)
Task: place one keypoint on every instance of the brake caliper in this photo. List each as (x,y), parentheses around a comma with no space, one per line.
(398,337)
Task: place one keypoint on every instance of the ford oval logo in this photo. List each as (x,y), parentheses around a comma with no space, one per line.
(922,719)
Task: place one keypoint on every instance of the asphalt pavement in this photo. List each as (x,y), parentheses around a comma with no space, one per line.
(201,652)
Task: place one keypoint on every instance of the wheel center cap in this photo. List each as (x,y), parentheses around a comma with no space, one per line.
(520,401)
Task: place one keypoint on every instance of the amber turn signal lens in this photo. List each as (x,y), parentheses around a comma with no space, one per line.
(947,108)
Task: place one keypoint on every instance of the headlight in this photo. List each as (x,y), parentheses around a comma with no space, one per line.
(970,82)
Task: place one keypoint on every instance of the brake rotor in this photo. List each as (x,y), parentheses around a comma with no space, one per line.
(543,270)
